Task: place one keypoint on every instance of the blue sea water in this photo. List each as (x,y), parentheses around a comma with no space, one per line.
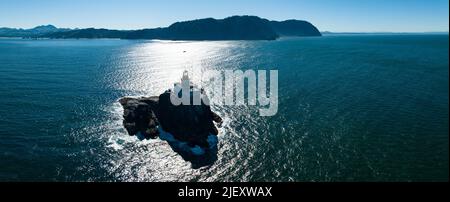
(351,108)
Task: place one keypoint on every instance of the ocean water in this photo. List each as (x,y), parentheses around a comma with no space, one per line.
(351,108)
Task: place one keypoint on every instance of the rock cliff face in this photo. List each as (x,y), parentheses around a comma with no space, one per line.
(188,123)
(139,116)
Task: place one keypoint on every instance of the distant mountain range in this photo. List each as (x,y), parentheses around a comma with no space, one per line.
(34,32)
(231,28)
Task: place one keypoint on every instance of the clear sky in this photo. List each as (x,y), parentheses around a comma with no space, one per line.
(327,15)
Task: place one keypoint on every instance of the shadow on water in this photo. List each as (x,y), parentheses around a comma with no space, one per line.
(197,161)
(198,157)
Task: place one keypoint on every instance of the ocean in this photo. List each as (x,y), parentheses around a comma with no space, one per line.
(351,108)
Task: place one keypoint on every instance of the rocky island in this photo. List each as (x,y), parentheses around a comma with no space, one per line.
(188,123)
(147,117)
(190,130)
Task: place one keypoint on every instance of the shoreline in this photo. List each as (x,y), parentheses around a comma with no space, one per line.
(280,38)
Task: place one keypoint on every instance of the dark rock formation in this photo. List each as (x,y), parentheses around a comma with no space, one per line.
(187,123)
(139,116)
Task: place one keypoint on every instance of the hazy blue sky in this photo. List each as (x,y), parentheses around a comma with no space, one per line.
(327,15)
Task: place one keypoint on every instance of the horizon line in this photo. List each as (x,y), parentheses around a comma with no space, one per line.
(327,31)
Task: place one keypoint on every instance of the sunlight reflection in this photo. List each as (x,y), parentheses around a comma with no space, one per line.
(154,66)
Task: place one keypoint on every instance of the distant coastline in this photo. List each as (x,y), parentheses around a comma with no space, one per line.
(231,28)
(381,33)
